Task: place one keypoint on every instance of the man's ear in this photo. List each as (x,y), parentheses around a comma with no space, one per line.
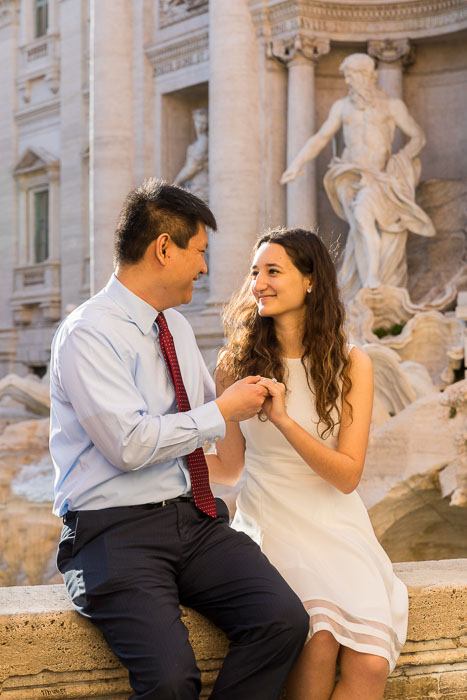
(161,248)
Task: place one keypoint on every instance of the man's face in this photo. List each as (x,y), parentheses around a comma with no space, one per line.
(358,81)
(186,264)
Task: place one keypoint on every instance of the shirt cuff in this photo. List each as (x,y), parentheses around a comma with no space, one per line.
(210,423)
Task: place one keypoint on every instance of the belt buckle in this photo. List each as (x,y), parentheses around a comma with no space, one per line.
(163,504)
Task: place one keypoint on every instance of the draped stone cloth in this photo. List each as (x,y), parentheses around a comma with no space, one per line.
(391,196)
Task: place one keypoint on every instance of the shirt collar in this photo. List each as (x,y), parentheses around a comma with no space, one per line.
(142,313)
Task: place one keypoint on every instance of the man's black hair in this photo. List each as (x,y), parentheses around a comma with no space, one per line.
(153,208)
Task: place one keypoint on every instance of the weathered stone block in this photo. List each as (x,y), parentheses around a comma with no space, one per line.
(47,650)
(454,681)
(404,688)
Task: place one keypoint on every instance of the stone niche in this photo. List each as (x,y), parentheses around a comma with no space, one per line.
(178,139)
(177,126)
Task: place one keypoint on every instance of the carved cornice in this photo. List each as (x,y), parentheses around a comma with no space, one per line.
(299,45)
(180,54)
(172,11)
(43,110)
(351,21)
(391,50)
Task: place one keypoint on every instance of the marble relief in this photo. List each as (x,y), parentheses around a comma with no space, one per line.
(176,10)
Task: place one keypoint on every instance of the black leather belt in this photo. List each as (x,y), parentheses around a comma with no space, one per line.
(162,504)
(143,506)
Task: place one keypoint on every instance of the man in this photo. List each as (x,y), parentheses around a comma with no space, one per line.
(371,189)
(140,529)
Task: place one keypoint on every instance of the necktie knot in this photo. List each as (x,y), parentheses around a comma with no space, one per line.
(161,322)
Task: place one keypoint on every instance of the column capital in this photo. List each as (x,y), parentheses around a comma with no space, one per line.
(296,47)
(392,50)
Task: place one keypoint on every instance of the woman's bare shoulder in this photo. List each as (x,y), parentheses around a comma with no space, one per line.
(361,368)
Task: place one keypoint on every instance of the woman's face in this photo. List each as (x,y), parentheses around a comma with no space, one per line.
(277,285)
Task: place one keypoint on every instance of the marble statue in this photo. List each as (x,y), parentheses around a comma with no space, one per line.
(31,393)
(368,186)
(194,173)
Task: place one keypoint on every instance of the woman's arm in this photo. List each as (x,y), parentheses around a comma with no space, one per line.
(226,466)
(341,467)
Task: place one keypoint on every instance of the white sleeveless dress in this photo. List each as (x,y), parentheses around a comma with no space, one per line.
(320,539)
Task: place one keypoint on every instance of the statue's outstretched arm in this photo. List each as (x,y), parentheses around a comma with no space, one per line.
(315,143)
(189,170)
(409,127)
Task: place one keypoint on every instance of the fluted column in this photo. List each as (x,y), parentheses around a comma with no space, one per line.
(234,145)
(111,128)
(392,56)
(301,54)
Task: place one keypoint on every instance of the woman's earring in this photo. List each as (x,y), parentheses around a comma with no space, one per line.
(308,291)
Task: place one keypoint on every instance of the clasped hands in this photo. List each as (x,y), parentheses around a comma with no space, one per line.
(274,401)
(247,397)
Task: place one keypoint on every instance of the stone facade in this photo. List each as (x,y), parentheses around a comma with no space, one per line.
(102,96)
(49,651)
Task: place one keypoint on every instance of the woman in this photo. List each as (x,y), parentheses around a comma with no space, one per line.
(304,456)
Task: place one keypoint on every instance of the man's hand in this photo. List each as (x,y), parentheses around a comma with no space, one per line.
(243,399)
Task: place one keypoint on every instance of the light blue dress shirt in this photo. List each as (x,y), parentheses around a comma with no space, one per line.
(116,436)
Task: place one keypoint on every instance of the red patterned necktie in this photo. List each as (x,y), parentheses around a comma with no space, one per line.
(197,465)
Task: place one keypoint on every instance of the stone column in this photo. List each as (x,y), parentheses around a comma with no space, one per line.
(234,145)
(22,252)
(392,56)
(301,53)
(54,213)
(72,223)
(275,120)
(9,245)
(110,128)
(52,19)
(143,91)
(26,19)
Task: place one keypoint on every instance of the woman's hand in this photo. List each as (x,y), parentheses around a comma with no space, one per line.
(274,403)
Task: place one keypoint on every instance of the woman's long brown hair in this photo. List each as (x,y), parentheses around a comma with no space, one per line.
(252,345)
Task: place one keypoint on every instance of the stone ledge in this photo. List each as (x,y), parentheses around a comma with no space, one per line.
(48,651)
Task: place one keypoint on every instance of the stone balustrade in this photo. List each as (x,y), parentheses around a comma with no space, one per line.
(48,651)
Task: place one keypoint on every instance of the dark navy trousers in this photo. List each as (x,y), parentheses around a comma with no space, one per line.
(128,568)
